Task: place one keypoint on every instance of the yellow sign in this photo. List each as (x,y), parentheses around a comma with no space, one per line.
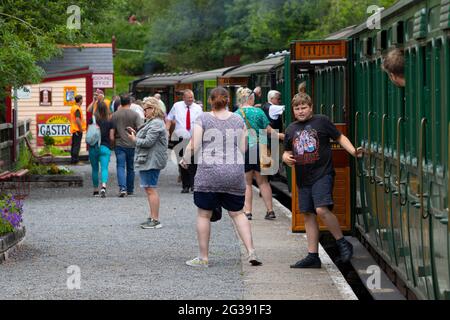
(69,95)
(56,126)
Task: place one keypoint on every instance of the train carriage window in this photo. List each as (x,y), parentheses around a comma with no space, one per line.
(356,48)
(374,47)
(440,113)
(367,47)
(409,34)
(389,38)
(398,32)
(434,18)
(382,37)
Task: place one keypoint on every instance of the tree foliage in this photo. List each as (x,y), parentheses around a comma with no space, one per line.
(169,35)
(30,31)
(198,34)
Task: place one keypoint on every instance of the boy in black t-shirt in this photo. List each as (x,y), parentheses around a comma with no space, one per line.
(307,146)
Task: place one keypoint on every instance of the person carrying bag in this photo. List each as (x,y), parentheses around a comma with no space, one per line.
(93,135)
(100,138)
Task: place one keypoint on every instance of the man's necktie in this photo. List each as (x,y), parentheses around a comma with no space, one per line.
(188,119)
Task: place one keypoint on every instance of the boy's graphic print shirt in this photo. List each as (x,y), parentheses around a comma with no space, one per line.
(310,143)
(305,146)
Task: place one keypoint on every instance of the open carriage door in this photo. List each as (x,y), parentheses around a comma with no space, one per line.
(323,65)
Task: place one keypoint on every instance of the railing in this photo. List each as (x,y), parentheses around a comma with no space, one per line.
(7,143)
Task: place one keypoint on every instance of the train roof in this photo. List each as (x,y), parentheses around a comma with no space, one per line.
(400,5)
(164,79)
(341,34)
(207,75)
(264,66)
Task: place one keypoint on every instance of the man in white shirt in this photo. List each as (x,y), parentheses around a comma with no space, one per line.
(183,115)
(274,112)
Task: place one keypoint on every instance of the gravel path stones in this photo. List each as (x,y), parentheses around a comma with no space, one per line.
(116,258)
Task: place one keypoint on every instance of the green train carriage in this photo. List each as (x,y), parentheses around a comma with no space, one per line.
(203,83)
(402,185)
(166,84)
(261,73)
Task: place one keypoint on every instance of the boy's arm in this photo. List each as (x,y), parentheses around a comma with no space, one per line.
(348,146)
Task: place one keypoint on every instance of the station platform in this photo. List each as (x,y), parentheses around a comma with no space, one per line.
(119,260)
(278,248)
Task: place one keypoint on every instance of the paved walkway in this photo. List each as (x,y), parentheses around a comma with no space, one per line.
(119,260)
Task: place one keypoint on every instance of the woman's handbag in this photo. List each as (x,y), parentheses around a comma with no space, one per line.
(265,159)
(216,214)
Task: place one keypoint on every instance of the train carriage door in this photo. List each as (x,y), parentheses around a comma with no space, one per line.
(324,65)
(232,84)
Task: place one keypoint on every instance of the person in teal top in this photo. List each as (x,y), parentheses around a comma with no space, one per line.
(255,120)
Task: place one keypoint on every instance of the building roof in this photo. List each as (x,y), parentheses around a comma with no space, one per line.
(68,73)
(206,75)
(98,57)
(263,66)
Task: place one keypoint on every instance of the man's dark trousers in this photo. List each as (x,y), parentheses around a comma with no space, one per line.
(187,175)
(76,145)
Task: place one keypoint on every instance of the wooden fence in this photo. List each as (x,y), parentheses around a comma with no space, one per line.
(8,144)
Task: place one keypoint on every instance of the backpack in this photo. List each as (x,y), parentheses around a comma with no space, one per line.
(93,135)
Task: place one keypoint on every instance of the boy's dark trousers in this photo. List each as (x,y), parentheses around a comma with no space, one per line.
(76,145)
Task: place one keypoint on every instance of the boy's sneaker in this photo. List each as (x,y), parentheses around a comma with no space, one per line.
(253,259)
(345,250)
(103,192)
(122,194)
(310,262)
(151,224)
(95,194)
(197,262)
(270,215)
(130,194)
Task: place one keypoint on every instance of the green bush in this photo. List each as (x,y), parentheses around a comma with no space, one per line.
(5,227)
(25,157)
(54,151)
(49,141)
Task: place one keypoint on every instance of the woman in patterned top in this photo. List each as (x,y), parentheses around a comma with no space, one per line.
(255,120)
(219,139)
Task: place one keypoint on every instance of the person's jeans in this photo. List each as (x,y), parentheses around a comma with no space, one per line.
(100,155)
(76,145)
(125,158)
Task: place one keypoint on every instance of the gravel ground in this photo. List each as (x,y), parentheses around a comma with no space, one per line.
(118,259)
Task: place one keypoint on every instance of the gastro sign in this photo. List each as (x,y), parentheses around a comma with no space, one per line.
(237,81)
(56,126)
(319,50)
